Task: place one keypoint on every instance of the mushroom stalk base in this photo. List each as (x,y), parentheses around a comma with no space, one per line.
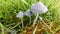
(22,23)
(35,29)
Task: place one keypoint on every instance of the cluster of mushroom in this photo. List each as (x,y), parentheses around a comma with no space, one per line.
(35,9)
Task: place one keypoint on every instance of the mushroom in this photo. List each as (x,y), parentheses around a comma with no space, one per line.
(28,13)
(13,31)
(21,15)
(37,9)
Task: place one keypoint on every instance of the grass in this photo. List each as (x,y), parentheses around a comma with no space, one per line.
(9,9)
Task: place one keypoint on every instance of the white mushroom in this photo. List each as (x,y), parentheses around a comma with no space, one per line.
(13,31)
(20,15)
(37,9)
(28,13)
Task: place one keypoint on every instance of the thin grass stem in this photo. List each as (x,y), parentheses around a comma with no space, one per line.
(2,28)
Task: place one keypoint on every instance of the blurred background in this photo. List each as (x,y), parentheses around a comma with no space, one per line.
(10,8)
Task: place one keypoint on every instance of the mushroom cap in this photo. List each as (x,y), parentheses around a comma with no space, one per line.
(20,15)
(28,13)
(13,31)
(38,8)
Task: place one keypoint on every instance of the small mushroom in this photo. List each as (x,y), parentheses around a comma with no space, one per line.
(13,31)
(21,15)
(37,9)
(28,13)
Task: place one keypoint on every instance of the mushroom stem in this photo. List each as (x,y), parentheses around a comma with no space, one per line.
(30,19)
(22,23)
(35,29)
(35,20)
